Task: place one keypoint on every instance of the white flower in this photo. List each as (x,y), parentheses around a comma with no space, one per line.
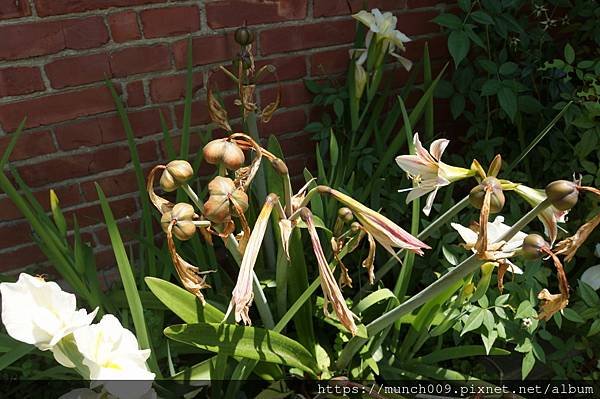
(383,27)
(495,230)
(428,172)
(39,313)
(112,355)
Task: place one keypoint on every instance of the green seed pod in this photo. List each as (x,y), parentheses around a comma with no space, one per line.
(345,214)
(532,245)
(280,166)
(244,36)
(477,195)
(563,194)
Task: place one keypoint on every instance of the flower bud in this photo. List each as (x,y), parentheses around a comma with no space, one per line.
(345,214)
(184,227)
(280,166)
(563,194)
(355,227)
(477,195)
(226,152)
(175,174)
(244,36)
(532,246)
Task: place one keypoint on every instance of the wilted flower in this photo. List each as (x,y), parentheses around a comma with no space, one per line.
(570,245)
(112,354)
(551,303)
(495,230)
(428,172)
(383,27)
(549,216)
(40,313)
(386,232)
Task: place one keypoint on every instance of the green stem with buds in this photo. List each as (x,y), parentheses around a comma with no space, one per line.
(468,266)
(193,196)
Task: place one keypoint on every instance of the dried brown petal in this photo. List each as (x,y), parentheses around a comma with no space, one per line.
(569,246)
(163,205)
(550,304)
(217,113)
(369,262)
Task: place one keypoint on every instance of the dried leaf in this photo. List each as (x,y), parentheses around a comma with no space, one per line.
(569,246)
(369,262)
(163,205)
(217,113)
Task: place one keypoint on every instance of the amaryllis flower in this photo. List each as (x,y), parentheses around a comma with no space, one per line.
(114,359)
(428,172)
(495,230)
(386,232)
(40,313)
(549,216)
(383,27)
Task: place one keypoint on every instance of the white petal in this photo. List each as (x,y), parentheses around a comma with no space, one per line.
(437,148)
(514,269)
(468,235)
(365,17)
(414,165)
(418,192)
(429,203)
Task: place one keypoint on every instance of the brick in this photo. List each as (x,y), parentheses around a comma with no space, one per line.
(19,258)
(205,50)
(329,62)
(292,94)
(68,196)
(437,48)
(292,38)
(75,165)
(284,121)
(147,152)
(112,186)
(14,9)
(128,227)
(75,71)
(135,94)
(106,129)
(411,4)
(92,214)
(302,144)
(135,60)
(199,113)
(15,234)
(41,38)
(124,26)
(20,80)
(172,87)
(56,108)
(161,22)
(59,7)
(287,68)
(85,33)
(330,8)
(418,23)
(234,13)
(29,145)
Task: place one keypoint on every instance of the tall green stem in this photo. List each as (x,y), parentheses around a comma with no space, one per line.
(467,267)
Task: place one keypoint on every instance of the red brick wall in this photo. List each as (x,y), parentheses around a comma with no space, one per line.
(54,55)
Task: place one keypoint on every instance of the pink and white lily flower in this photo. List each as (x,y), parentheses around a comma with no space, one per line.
(428,172)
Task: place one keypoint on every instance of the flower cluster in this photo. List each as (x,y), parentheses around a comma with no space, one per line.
(39,313)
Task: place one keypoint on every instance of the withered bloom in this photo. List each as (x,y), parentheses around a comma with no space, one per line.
(570,245)
(331,291)
(552,303)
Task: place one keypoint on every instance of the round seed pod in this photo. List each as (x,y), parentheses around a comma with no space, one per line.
(345,214)
(218,208)
(175,174)
(183,213)
(355,227)
(223,151)
(280,166)
(563,194)
(532,246)
(477,195)
(244,36)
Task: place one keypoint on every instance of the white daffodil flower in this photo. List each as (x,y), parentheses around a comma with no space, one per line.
(549,216)
(383,27)
(40,313)
(496,229)
(114,359)
(428,172)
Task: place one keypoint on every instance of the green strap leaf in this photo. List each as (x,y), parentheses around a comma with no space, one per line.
(247,342)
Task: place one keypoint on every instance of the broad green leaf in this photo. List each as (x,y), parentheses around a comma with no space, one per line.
(448,20)
(457,105)
(587,293)
(458,45)
(488,341)
(474,321)
(247,342)
(449,256)
(594,328)
(572,315)
(17,351)
(508,68)
(460,352)
(501,300)
(464,5)
(525,310)
(490,87)
(508,101)
(183,303)
(482,17)
(373,298)
(527,365)
(569,54)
